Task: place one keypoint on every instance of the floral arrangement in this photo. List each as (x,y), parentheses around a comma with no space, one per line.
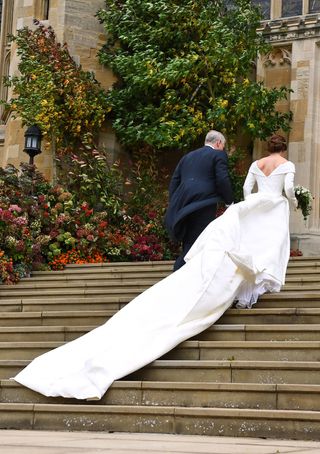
(76,257)
(304,198)
(44,226)
(7,272)
(295,253)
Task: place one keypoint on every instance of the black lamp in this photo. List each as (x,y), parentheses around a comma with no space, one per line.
(32,144)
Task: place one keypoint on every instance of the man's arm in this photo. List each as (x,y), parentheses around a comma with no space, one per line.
(223,182)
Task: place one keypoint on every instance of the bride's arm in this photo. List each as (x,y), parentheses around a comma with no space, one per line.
(248,184)
(289,188)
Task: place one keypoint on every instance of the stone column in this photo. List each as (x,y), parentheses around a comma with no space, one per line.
(304,139)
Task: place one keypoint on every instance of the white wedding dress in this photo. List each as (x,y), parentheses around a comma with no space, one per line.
(239,256)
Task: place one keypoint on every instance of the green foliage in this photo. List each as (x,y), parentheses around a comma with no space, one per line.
(52,91)
(184,67)
(89,176)
(237,174)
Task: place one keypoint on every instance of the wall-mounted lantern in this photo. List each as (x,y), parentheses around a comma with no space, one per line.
(32,145)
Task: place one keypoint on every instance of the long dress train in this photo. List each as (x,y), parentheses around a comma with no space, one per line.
(239,256)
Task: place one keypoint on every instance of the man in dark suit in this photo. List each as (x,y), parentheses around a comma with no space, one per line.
(200,180)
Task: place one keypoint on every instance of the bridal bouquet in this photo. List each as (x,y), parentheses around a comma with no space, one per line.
(304,197)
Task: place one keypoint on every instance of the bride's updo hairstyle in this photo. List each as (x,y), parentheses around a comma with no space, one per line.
(276,144)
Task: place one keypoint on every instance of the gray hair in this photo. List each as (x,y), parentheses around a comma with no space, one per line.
(214,136)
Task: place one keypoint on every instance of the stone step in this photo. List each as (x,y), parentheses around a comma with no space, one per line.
(118,273)
(306,271)
(186,394)
(48,318)
(100,276)
(116,302)
(300,287)
(245,350)
(79,303)
(66,291)
(273,315)
(305,279)
(289,299)
(120,267)
(101,284)
(162,419)
(228,371)
(132,282)
(83,316)
(299,332)
(264,372)
(196,350)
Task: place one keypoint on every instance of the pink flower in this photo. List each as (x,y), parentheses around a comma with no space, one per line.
(20,246)
(21,221)
(15,208)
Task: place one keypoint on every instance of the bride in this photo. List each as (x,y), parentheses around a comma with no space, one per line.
(239,256)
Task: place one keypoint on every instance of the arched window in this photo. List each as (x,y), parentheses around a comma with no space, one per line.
(265,6)
(291,8)
(314,6)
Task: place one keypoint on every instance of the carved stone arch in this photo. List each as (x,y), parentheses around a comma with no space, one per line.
(278,56)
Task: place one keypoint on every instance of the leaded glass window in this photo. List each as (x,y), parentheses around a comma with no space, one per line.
(265,7)
(314,6)
(291,8)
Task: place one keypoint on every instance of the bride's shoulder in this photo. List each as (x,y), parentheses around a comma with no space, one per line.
(290,166)
(254,167)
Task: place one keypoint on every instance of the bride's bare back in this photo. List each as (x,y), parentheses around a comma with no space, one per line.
(269,163)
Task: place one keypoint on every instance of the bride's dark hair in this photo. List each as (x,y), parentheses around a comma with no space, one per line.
(276,143)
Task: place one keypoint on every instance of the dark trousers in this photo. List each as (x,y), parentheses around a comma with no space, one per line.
(195,223)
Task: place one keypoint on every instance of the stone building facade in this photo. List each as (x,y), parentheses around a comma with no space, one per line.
(292,27)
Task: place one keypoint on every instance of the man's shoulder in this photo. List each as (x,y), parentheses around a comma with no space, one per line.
(206,149)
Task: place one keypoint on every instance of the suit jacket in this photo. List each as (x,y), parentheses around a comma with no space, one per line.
(200,179)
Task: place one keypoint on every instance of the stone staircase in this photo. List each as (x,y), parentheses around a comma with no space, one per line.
(254,373)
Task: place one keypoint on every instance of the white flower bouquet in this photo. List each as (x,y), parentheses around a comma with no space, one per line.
(304,198)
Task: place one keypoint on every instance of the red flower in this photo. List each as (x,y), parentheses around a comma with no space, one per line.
(152,214)
(89,212)
(137,219)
